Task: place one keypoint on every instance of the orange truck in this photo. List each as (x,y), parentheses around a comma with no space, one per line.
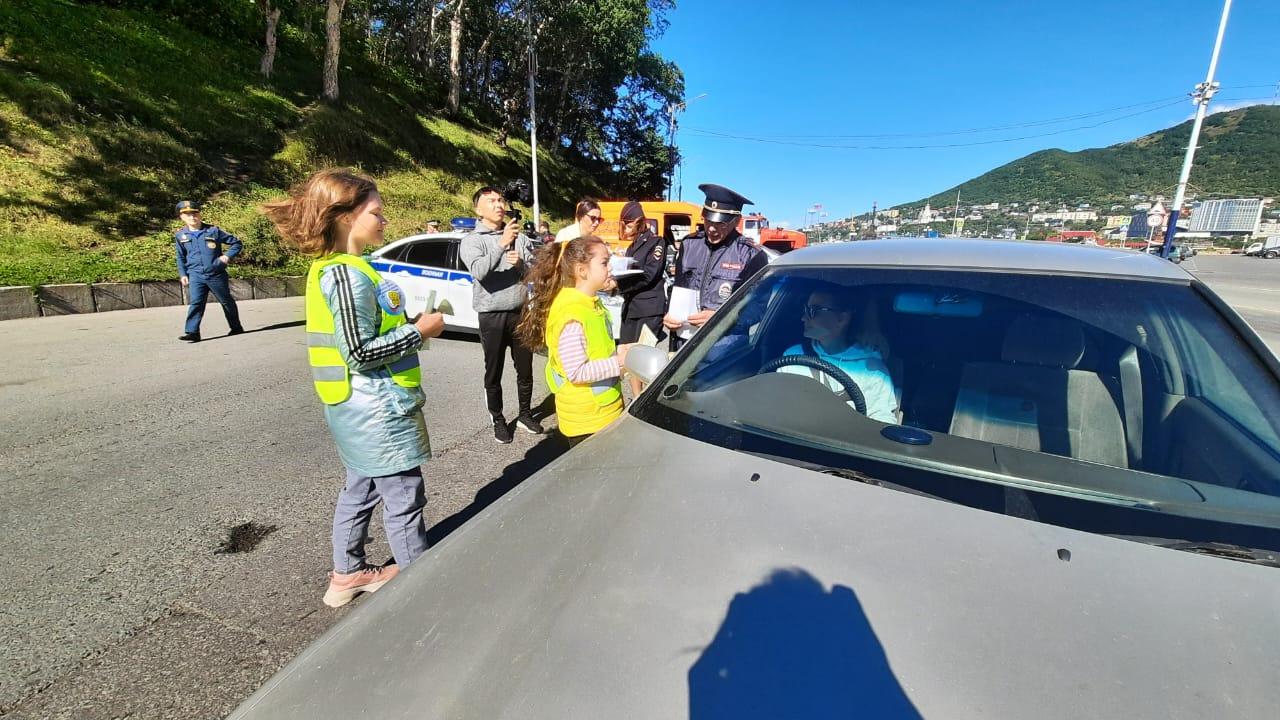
(673,220)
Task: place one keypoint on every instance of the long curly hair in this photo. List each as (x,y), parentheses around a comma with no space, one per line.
(308,218)
(553,269)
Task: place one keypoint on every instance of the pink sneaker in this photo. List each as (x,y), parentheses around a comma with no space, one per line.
(345,586)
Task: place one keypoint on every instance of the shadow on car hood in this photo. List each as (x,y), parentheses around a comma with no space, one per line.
(646,575)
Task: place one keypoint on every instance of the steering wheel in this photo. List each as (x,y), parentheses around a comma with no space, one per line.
(841,377)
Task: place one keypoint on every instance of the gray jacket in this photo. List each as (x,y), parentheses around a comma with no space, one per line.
(379,429)
(498,284)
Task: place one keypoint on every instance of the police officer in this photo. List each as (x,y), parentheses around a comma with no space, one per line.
(203,252)
(715,261)
(644,294)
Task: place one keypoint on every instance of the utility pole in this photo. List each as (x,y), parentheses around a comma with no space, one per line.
(1201,96)
(955,217)
(671,141)
(1027,230)
(533,120)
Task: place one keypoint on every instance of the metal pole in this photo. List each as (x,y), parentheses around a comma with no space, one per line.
(955,217)
(671,141)
(533,121)
(1203,93)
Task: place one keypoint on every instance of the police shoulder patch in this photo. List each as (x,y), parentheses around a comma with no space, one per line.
(390,298)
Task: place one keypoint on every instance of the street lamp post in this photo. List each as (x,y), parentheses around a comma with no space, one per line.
(1201,96)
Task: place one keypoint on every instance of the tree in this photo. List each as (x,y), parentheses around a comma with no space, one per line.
(455,58)
(332,47)
(272,15)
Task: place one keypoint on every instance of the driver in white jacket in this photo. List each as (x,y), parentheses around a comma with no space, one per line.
(830,332)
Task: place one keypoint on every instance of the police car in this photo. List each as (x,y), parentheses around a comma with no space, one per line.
(429,262)
(425,264)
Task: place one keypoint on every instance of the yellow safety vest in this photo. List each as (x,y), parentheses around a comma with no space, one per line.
(329,372)
(582,409)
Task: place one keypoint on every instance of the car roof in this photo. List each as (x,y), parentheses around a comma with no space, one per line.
(976,254)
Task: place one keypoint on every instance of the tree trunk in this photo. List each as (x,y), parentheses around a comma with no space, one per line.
(332,46)
(269,53)
(485,65)
(455,58)
(561,111)
(431,36)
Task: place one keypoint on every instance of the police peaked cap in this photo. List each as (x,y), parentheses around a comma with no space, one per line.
(722,203)
(188,206)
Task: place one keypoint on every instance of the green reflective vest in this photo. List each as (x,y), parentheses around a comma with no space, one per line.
(329,373)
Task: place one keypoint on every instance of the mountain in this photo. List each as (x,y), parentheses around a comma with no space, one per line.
(1239,156)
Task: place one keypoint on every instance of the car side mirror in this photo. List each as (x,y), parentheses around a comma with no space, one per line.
(646,362)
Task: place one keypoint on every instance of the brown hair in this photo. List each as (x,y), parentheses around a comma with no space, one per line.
(552,270)
(308,218)
(585,206)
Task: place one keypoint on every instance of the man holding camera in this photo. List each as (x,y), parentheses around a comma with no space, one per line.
(497,255)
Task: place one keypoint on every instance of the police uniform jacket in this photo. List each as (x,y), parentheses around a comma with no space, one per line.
(198,250)
(645,295)
(715,271)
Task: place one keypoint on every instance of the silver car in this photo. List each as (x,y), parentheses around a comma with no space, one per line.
(1073,512)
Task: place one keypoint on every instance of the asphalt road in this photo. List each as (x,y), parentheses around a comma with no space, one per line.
(127,457)
(1250,285)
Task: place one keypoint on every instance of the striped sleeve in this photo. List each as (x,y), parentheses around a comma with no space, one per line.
(572,347)
(352,298)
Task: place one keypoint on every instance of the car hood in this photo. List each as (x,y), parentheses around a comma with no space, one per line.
(646,575)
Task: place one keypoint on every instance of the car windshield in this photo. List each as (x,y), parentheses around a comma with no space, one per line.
(1122,391)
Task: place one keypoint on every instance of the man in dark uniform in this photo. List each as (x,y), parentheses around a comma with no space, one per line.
(645,294)
(717,260)
(202,268)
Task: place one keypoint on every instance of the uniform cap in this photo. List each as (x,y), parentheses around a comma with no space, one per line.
(632,211)
(722,203)
(188,206)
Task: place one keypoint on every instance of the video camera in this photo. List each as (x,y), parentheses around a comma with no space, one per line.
(515,193)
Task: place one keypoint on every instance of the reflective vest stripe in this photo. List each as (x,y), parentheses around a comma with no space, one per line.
(328,374)
(599,387)
(408,362)
(319,339)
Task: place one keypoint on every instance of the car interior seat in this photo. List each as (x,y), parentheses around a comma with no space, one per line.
(1037,399)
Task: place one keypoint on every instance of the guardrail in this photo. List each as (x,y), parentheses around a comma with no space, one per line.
(47,300)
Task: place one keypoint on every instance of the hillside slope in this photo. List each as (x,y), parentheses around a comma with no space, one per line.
(1239,156)
(108,117)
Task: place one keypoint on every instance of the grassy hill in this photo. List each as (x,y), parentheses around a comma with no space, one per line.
(108,117)
(1239,156)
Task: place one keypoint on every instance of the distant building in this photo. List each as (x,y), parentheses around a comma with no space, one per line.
(1115,221)
(1240,216)
(1088,237)
(1141,207)
(1066,216)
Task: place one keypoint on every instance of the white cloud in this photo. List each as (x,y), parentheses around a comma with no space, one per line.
(1215,108)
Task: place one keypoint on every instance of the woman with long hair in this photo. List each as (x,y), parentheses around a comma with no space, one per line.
(564,314)
(364,366)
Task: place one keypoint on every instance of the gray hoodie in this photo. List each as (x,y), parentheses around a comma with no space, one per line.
(498,284)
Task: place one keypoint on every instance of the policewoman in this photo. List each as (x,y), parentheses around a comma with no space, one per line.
(715,261)
(203,253)
(364,366)
(645,293)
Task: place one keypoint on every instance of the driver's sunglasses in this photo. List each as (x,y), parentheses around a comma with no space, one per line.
(813,311)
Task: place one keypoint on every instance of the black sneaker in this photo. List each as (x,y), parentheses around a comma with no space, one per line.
(190,337)
(501,432)
(527,423)
(237,331)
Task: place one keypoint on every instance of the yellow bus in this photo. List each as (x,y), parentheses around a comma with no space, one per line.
(672,220)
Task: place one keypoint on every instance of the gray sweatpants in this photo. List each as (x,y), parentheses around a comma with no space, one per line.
(403,498)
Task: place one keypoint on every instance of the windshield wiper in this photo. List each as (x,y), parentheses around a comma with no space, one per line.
(1230,551)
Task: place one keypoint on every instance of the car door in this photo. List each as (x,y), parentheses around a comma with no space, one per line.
(419,268)
(459,292)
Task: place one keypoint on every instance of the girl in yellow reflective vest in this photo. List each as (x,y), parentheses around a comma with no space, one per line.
(564,315)
(364,366)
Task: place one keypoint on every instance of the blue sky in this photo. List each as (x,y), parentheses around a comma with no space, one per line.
(780,70)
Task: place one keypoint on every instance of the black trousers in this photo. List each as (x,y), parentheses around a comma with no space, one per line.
(630,330)
(497,333)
